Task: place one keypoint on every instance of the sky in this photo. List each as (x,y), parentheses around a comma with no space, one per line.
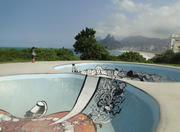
(54,23)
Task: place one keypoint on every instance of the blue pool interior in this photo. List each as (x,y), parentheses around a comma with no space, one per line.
(18,93)
(172,74)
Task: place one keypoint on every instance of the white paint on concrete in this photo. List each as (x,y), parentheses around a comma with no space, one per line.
(83,99)
(34,119)
(55,119)
(49,118)
(68,127)
(5,117)
(15,120)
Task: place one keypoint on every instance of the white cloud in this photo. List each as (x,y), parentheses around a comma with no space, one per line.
(126,5)
(134,18)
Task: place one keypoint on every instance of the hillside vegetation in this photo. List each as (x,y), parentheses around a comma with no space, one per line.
(87,47)
(168,57)
(43,54)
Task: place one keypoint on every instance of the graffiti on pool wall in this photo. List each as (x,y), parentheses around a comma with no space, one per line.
(119,74)
(36,121)
(108,99)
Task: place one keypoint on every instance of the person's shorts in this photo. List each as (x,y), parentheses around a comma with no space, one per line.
(33,56)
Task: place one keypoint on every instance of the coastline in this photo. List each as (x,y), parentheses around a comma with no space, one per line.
(147,55)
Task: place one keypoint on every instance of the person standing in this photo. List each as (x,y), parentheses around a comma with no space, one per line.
(33,54)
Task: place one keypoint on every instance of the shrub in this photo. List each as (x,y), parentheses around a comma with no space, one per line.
(132,57)
(167,57)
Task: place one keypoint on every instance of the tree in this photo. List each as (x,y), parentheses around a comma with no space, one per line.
(88,47)
(167,57)
(132,56)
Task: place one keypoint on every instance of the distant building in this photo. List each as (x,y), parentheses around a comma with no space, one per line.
(175,43)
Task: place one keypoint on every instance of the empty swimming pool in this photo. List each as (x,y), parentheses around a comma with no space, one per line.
(112,106)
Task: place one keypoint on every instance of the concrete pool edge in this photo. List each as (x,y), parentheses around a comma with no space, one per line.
(167,98)
(146,64)
(157,104)
(141,72)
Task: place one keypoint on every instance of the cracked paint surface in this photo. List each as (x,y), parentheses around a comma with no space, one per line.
(79,123)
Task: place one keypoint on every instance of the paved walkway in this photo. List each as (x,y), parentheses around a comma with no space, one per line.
(167,94)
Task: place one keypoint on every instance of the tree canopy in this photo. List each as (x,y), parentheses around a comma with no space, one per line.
(132,56)
(167,57)
(88,47)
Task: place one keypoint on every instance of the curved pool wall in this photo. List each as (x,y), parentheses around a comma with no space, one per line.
(169,73)
(18,93)
(140,113)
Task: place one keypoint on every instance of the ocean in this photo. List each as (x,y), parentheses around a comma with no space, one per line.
(13,47)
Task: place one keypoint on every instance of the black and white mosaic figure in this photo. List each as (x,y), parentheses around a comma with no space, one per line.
(108,100)
(145,77)
(119,74)
(98,71)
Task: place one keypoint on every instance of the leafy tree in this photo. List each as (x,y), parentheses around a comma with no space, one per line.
(163,58)
(167,57)
(88,47)
(132,56)
(176,58)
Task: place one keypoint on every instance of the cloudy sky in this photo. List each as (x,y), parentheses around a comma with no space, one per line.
(151,18)
(54,23)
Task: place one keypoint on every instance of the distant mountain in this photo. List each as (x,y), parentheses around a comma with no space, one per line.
(110,42)
(136,43)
